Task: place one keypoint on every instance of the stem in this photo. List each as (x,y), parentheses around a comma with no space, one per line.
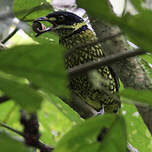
(104,61)
(40,145)
(10,36)
(11,129)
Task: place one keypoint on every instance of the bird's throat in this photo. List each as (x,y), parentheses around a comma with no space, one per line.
(82,36)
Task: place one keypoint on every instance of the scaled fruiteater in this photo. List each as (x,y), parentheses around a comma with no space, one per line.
(73,32)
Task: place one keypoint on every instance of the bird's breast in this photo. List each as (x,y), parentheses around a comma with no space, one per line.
(82,47)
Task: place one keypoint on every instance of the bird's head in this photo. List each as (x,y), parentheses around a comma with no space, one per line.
(62,23)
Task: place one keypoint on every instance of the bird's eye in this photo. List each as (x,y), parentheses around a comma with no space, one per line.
(61,18)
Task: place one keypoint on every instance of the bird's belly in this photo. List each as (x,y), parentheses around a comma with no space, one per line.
(97,97)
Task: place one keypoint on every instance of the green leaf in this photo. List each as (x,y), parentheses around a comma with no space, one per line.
(42,64)
(83,137)
(147,57)
(8,144)
(26,97)
(143,96)
(53,123)
(66,110)
(147,67)
(137,27)
(32,9)
(100,9)
(137,132)
(116,134)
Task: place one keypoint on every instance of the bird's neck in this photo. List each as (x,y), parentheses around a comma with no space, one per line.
(79,37)
(83,28)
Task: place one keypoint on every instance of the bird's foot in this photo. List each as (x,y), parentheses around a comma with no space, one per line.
(101,112)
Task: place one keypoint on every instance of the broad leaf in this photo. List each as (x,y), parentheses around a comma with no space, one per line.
(137,132)
(8,144)
(138,28)
(101,9)
(115,138)
(31,9)
(23,95)
(41,64)
(83,137)
(142,96)
(66,110)
(135,26)
(54,121)
(34,9)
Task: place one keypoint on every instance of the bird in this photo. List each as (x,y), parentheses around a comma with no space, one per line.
(73,32)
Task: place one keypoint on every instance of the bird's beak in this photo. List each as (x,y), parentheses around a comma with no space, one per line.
(40,28)
(41,19)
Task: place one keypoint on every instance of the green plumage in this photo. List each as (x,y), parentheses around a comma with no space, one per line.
(95,87)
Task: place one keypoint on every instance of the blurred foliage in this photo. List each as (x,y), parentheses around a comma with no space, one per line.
(142,96)
(21,93)
(84,138)
(131,25)
(38,66)
(40,62)
(32,9)
(12,144)
(137,132)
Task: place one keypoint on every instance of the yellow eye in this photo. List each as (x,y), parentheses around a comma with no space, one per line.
(61,18)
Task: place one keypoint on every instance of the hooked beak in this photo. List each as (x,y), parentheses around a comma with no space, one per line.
(40,28)
(41,19)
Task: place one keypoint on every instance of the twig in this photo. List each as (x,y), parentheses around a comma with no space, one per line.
(10,35)
(104,61)
(31,132)
(11,129)
(43,147)
(25,11)
(36,8)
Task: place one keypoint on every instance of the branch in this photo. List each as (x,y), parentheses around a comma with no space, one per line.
(11,129)
(10,35)
(38,144)
(104,61)
(31,132)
